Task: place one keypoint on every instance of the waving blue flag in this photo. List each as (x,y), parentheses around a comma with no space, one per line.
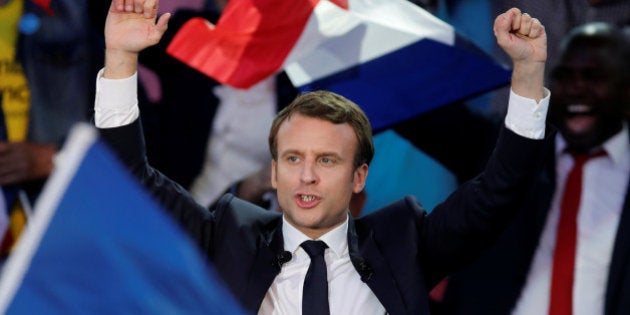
(97,244)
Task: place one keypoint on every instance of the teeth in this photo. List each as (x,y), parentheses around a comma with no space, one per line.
(578,109)
(307,198)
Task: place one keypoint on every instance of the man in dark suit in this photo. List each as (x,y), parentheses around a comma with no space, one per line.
(321,146)
(590,86)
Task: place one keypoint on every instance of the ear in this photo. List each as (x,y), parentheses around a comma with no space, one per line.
(360,176)
(274,178)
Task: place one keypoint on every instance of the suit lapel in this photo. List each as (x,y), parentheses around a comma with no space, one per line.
(618,271)
(529,224)
(374,271)
(266,265)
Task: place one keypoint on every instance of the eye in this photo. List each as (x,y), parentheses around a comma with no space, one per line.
(561,74)
(293,158)
(327,160)
(566,74)
(594,75)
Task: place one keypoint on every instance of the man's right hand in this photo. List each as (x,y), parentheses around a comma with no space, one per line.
(130,27)
(524,39)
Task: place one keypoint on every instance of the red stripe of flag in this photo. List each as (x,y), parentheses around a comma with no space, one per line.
(45,5)
(341,3)
(249,43)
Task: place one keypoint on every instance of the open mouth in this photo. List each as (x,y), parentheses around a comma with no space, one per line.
(579,118)
(307,201)
(579,109)
(307,198)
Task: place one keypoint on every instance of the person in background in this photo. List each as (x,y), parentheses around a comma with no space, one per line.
(48,55)
(561,17)
(550,249)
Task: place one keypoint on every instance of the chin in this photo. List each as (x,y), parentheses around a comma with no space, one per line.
(581,125)
(308,220)
(581,141)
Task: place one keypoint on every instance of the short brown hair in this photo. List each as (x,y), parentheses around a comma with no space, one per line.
(334,108)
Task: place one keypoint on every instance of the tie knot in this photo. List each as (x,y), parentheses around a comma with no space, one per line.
(314,248)
(581,158)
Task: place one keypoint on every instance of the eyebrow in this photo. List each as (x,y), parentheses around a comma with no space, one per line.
(320,154)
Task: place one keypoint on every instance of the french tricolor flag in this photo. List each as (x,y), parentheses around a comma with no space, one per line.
(389,56)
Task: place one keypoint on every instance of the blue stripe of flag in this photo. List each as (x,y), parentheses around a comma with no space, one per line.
(415,79)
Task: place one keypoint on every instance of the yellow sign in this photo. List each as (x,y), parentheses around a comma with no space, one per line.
(13,84)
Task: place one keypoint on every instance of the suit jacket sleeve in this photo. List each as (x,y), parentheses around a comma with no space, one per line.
(472,218)
(127,143)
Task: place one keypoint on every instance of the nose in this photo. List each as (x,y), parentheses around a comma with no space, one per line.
(580,81)
(575,88)
(308,175)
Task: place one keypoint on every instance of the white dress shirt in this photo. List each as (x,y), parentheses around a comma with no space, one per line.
(347,294)
(605,183)
(116,105)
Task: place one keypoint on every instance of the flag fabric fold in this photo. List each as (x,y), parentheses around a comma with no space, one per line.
(389,56)
(98,244)
(248,44)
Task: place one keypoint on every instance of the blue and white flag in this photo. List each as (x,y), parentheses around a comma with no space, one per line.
(98,244)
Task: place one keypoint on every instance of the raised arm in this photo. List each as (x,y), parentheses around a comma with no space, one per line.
(524,39)
(131,26)
(473,217)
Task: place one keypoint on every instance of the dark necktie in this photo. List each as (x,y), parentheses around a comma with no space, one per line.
(561,298)
(315,297)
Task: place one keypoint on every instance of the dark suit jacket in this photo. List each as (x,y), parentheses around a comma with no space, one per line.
(400,251)
(493,284)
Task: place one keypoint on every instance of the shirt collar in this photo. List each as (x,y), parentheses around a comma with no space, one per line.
(336,239)
(617,147)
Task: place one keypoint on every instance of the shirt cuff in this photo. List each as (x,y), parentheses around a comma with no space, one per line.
(116,101)
(526,117)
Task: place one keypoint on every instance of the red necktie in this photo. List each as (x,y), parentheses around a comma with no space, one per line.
(561,300)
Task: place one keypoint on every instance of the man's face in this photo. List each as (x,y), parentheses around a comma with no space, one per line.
(587,98)
(315,174)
